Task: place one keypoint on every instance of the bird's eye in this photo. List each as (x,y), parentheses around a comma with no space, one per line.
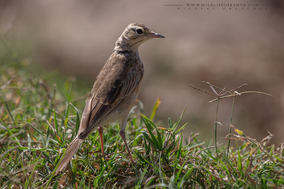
(139,31)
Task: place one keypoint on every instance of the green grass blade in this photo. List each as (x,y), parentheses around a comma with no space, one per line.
(153,142)
(55,121)
(155,108)
(77,118)
(185,177)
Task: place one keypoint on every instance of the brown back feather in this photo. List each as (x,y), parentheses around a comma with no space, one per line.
(120,76)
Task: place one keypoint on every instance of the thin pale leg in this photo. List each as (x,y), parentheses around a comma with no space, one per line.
(100,129)
(122,134)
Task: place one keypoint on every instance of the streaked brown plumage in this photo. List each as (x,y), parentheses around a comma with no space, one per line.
(115,89)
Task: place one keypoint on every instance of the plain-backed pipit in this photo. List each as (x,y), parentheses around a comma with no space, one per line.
(115,89)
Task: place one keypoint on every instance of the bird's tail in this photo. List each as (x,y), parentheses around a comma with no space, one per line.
(71,150)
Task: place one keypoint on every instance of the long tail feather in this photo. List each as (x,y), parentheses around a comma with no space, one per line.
(72,149)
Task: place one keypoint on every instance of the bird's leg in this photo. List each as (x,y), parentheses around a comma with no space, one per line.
(122,134)
(100,129)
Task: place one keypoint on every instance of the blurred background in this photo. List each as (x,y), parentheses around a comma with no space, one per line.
(226,45)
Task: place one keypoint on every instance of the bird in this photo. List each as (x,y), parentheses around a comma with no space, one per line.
(115,90)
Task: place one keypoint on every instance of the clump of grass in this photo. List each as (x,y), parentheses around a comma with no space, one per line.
(38,120)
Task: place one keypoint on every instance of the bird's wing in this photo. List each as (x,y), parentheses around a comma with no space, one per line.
(117,79)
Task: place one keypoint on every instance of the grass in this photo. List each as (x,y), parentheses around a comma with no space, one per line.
(38,120)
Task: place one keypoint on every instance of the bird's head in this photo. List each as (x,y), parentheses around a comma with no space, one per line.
(133,36)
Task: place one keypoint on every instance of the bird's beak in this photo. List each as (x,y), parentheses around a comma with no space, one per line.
(155,35)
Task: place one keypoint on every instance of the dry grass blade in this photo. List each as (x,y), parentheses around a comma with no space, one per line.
(267,139)
(8,82)
(241,93)
(201,90)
